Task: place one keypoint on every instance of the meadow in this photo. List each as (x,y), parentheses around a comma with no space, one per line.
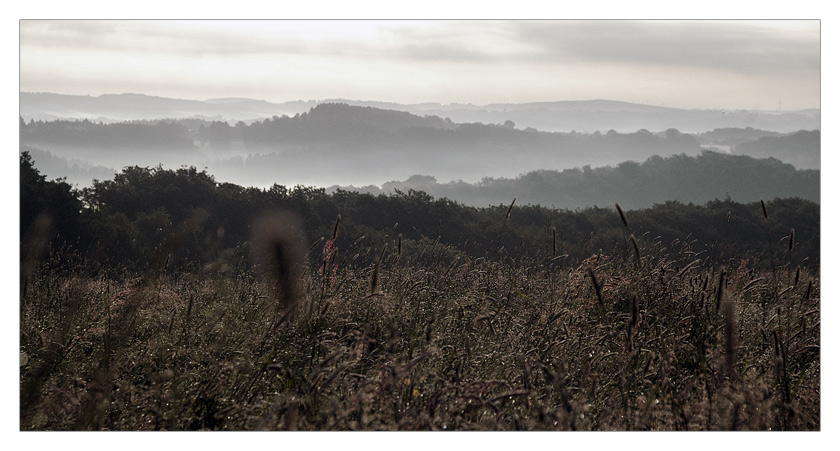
(653,335)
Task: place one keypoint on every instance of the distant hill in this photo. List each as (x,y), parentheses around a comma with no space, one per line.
(730,137)
(559,116)
(681,178)
(802,149)
(338,141)
(341,144)
(129,107)
(75,172)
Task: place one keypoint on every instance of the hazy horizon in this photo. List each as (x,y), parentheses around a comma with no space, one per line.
(700,64)
(714,65)
(770,108)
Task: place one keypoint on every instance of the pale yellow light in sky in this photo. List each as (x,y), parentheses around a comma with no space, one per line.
(688,64)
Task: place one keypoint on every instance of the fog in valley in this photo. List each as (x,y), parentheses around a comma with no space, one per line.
(378,148)
(545,111)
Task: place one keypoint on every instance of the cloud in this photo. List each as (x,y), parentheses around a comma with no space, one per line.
(741,46)
(729,63)
(453,41)
(161,37)
(747,47)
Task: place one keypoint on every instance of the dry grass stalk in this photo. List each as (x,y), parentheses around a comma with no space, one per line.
(335,229)
(633,325)
(278,244)
(753,283)
(688,268)
(374,277)
(731,336)
(622,215)
(719,294)
(502,230)
(596,285)
(636,249)
(790,243)
(782,378)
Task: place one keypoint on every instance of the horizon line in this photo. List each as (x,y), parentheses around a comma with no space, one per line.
(334,99)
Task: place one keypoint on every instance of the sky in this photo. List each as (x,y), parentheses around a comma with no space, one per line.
(752,64)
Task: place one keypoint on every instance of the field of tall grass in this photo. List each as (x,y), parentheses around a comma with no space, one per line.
(650,337)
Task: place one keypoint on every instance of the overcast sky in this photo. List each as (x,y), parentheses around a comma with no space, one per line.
(686,64)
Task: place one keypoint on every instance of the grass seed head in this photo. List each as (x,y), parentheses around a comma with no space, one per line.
(335,229)
(277,243)
(374,277)
(507,216)
(790,242)
(636,249)
(731,335)
(622,215)
(596,285)
(719,294)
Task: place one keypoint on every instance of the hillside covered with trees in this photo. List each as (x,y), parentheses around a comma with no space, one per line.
(125,220)
(334,142)
(556,116)
(802,149)
(682,178)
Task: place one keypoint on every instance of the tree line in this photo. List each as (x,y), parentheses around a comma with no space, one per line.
(196,222)
(86,133)
(684,178)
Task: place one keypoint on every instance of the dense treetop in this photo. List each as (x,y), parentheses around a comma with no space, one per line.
(126,221)
(688,179)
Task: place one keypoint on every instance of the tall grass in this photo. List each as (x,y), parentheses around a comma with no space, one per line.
(659,340)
